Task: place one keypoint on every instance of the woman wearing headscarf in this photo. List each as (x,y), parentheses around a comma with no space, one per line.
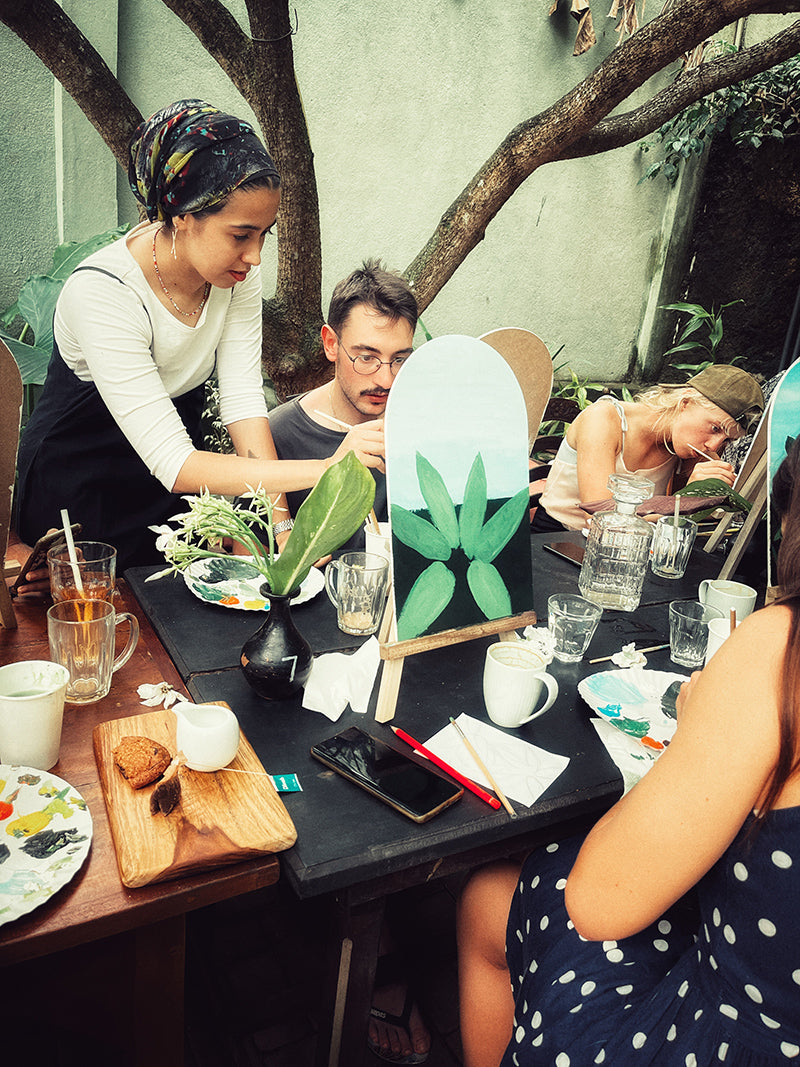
(141,325)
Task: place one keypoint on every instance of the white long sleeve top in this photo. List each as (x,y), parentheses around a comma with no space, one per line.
(122,338)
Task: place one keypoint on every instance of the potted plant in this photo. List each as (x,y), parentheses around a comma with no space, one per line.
(276,660)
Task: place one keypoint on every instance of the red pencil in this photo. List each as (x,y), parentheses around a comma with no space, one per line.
(466,782)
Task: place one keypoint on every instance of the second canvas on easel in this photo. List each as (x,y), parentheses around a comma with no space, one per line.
(457,481)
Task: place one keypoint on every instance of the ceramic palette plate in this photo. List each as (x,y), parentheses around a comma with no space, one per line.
(45,835)
(638,702)
(233,582)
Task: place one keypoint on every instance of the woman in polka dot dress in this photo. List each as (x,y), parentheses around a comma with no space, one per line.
(670,934)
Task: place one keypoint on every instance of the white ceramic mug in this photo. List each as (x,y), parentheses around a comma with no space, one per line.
(31,711)
(719,630)
(727,596)
(513,677)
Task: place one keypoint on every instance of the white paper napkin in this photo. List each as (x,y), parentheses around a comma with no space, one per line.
(522,770)
(338,679)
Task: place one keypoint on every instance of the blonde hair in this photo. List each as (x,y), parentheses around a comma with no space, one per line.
(668,400)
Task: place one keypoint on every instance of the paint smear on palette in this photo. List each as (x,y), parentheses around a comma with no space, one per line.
(457,481)
(636,701)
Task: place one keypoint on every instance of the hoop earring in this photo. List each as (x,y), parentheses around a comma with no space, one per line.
(172,250)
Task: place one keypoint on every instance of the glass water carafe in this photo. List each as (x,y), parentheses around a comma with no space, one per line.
(618,547)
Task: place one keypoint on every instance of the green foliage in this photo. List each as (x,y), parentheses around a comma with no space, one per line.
(762,107)
(36,306)
(330,514)
(450,530)
(715,487)
(701,335)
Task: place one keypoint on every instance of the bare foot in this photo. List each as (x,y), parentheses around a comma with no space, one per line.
(398,1040)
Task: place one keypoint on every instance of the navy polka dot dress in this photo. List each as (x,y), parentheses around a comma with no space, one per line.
(724,988)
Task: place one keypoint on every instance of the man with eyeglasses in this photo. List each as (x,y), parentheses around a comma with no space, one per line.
(368,336)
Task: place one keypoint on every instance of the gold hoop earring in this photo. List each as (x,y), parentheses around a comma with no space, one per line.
(174,254)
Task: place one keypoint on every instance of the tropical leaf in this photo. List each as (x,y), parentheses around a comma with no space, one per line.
(32,361)
(502,526)
(440,504)
(428,597)
(419,534)
(37,305)
(473,508)
(330,514)
(67,256)
(715,487)
(488,589)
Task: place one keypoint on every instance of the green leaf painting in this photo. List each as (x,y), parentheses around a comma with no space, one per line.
(461,537)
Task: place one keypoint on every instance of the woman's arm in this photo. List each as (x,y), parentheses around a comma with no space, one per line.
(664,835)
(596,436)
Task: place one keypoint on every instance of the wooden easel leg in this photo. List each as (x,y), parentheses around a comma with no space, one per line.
(390,687)
(9,619)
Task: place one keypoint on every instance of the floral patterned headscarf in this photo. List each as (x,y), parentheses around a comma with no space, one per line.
(190,155)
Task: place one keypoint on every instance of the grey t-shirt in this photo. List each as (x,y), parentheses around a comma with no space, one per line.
(297,436)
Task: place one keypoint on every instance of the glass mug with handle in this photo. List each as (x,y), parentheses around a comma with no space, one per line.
(82,635)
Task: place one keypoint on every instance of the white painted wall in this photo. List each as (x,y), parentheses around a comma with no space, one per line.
(404,102)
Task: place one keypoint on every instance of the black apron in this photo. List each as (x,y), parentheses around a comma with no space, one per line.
(73,455)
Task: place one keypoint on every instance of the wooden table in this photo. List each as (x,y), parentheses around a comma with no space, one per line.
(350,847)
(132,938)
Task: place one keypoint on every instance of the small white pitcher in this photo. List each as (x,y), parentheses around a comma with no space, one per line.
(207,734)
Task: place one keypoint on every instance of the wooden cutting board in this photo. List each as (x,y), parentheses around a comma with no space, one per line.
(221,818)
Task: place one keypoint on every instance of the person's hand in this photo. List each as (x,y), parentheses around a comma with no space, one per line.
(716,468)
(685,693)
(367,441)
(35,585)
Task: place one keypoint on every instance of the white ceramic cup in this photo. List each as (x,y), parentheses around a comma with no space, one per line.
(513,676)
(379,544)
(724,595)
(719,630)
(31,711)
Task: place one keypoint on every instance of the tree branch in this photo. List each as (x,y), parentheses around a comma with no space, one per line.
(688,89)
(82,71)
(220,34)
(548,135)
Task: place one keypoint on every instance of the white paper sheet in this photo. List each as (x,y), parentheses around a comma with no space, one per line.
(522,770)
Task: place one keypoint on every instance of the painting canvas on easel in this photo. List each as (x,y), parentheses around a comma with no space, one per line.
(457,482)
(784,422)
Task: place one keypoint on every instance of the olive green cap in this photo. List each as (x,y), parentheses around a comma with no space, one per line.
(733,390)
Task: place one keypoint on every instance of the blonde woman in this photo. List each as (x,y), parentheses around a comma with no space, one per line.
(661,436)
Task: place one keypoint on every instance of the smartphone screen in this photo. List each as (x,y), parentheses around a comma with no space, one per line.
(389,775)
(566,550)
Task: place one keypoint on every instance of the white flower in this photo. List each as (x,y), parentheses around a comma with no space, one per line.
(153,695)
(629,657)
(542,641)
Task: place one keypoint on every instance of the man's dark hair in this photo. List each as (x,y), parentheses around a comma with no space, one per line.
(378,288)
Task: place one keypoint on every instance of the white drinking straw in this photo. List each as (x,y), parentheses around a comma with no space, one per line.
(73,556)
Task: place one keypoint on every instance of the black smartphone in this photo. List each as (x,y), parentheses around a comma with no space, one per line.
(415,791)
(38,554)
(566,550)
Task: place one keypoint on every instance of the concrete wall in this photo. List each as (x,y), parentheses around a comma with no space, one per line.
(404,102)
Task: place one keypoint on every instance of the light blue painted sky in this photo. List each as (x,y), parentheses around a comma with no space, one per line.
(784,418)
(456,397)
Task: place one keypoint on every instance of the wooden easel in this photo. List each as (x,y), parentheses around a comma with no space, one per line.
(394,652)
(751,483)
(10,416)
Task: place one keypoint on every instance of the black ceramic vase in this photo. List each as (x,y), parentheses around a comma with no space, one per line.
(276,660)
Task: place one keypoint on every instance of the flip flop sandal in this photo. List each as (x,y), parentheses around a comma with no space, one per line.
(401,1022)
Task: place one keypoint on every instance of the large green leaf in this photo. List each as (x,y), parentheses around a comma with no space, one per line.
(330,514)
(37,305)
(473,507)
(488,589)
(32,361)
(428,597)
(67,256)
(439,501)
(502,526)
(419,534)
(716,487)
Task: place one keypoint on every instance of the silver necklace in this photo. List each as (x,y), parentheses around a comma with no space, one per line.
(168,295)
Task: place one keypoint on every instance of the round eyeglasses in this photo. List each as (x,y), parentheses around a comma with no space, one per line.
(369,364)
